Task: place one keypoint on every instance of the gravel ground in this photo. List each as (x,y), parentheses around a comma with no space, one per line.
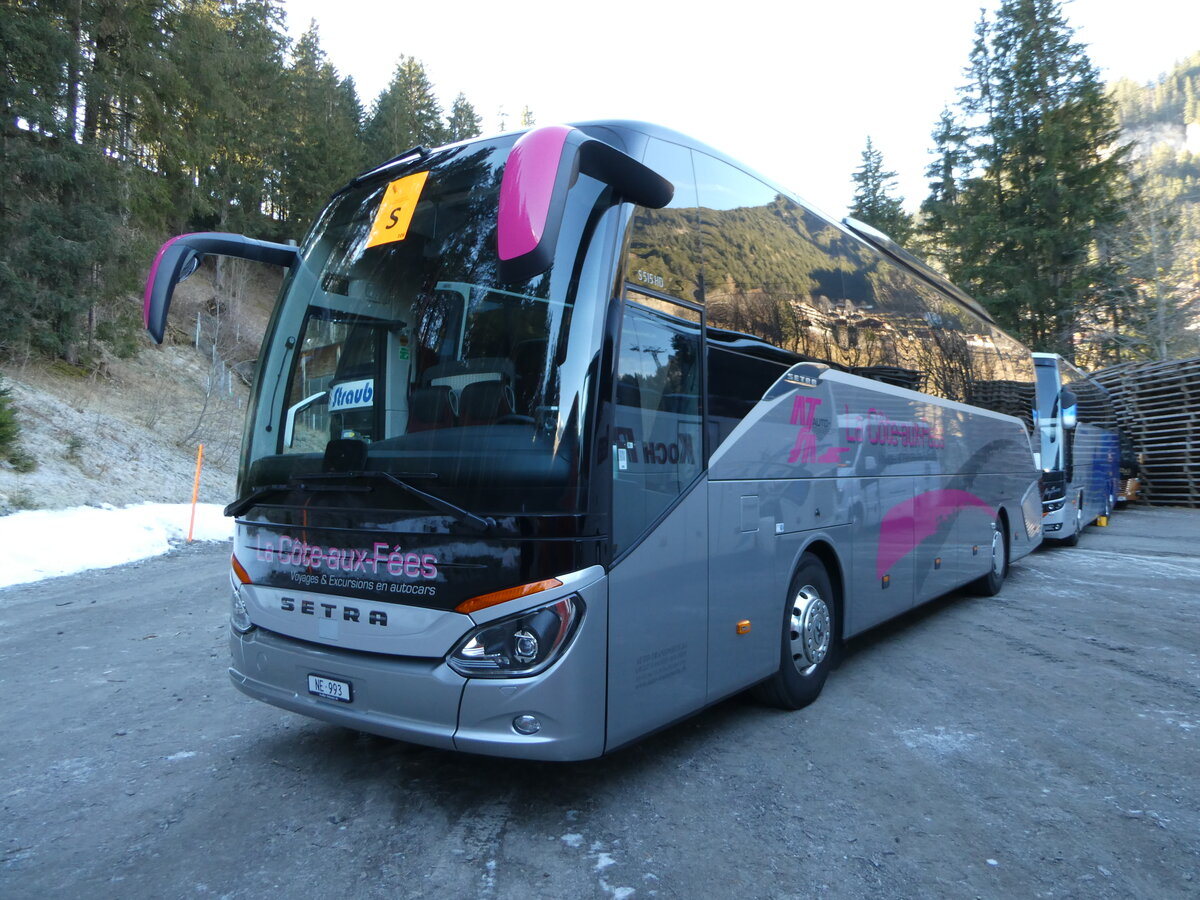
(1042,743)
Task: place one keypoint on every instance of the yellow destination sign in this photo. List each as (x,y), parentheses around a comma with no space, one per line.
(396,211)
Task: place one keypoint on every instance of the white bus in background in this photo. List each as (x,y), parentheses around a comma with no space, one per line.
(1080,447)
(559,437)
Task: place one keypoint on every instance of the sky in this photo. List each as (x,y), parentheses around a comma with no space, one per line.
(40,544)
(792,90)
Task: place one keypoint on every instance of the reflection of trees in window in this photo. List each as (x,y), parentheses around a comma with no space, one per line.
(664,245)
(460,231)
(785,276)
(768,274)
(434,312)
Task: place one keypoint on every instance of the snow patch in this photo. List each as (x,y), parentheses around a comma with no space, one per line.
(940,740)
(42,544)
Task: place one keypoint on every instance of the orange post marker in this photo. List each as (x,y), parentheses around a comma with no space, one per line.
(196,489)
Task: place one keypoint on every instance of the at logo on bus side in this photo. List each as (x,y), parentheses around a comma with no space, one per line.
(804,414)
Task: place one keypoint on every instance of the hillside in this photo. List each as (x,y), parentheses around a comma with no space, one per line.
(1158,244)
(127,430)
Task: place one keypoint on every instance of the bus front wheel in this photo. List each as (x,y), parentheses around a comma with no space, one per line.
(809,639)
(1072,539)
(991,583)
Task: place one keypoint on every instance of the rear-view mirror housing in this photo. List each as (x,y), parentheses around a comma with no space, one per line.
(1068,404)
(181,256)
(542,166)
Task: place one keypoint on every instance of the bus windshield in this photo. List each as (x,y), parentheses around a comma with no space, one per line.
(1048,422)
(395,349)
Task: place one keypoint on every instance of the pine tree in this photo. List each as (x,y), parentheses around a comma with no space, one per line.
(321,149)
(67,184)
(463,121)
(937,235)
(1045,173)
(220,154)
(406,114)
(873,201)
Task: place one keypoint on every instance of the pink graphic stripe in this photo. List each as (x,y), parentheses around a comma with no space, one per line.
(907,524)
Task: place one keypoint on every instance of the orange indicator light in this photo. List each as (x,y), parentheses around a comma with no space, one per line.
(483,601)
(743,627)
(241,573)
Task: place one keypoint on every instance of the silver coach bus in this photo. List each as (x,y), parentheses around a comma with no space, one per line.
(559,437)
(1080,448)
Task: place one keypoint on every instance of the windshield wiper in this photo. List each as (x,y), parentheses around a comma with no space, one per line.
(304,483)
(237,507)
(478,523)
(255,497)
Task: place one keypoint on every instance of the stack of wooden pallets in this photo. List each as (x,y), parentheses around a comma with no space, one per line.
(1159,407)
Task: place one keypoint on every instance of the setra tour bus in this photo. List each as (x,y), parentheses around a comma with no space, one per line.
(559,437)
(1080,448)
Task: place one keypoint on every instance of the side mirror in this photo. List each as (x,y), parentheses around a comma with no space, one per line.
(542,166)
(181,256)
(1068,409)
(289,425)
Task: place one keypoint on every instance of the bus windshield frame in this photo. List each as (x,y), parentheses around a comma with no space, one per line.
(411,349)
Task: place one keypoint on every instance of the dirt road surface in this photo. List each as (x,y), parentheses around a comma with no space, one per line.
(1044,743)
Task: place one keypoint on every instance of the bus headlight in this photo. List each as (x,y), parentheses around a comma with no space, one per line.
(523,644)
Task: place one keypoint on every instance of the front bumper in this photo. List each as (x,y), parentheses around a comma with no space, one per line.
(1055,516)
(424,701)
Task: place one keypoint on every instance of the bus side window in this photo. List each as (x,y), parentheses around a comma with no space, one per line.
(658,444)
(736,382)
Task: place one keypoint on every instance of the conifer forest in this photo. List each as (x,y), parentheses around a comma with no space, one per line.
(1068,207)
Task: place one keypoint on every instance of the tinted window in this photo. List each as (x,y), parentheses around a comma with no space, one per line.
(664,251)
(659,449)
(778,272)
(1094,404)
(736,382)
(411,345)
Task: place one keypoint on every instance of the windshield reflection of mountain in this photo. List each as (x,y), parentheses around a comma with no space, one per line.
(775,271)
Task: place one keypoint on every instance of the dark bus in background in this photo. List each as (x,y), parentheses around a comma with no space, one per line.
(558,437)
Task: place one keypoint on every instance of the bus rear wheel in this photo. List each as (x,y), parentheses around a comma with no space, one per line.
(808,641)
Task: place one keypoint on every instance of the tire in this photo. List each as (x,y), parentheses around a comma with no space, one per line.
(1073,540)
(808,641)
(990,584)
